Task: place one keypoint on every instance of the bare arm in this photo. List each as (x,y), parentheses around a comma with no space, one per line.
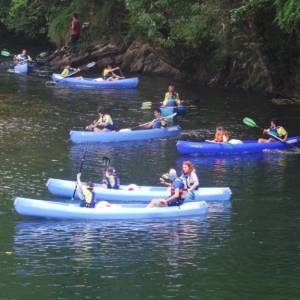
(173,197)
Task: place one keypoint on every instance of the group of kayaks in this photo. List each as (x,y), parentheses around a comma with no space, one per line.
(131,203)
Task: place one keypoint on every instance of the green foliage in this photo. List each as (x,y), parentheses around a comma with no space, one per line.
(24,16)
(288,14)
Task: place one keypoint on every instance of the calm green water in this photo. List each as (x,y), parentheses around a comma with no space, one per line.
(246,249)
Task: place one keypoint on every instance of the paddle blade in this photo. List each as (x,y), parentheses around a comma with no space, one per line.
(170,116)
(106,161)
(249,122)
(5,53)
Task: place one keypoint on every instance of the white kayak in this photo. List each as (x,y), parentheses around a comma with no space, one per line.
(65,188)
(58,210)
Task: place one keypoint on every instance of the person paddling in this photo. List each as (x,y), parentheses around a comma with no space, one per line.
(86,193)
(103,123)
(171,97)
(274,130)
(109,75)
(22,57)
(111,180)
(176,196)
(158,122)
(68,70)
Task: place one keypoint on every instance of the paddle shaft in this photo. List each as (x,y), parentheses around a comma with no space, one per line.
(254,125)
(166,117)
(80,169)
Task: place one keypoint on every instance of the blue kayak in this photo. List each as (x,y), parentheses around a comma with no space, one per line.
(65,188)
(168,110)
(93,83)
(23,68)
(123,135)
(58,210)
(247,146)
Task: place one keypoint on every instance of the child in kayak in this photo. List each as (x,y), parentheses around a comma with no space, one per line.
(86,193)
(108,73)
(221,136)
(111,180)
(176,197)
(68,70)
(274,130)
(171,97)
(103,123)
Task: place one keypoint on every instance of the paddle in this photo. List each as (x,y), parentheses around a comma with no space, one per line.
(251,123)
(121,73)
(5,53)
(81,68)
(80,169)
(105,164)
(166,117)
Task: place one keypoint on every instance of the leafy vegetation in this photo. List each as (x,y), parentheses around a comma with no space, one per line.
(250,43)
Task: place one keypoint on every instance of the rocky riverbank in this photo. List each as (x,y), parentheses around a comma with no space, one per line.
(139,57)
(136,57)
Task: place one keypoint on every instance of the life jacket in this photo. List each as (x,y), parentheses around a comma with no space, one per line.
(107,73)
(105,121)
(171,99)
(22,58)
(273,131)
(177,183)
(88,199)
(187,181)
(278,131)
(112,182)
(157,123)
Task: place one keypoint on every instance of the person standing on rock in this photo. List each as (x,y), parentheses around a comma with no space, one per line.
(74,32)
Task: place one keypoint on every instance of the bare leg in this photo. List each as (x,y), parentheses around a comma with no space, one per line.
(157,203)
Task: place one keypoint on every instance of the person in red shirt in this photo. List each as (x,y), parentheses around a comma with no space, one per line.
(75,31)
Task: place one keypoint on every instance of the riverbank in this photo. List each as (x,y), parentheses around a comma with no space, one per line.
(141,57)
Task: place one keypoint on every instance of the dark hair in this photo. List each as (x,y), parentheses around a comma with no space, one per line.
(100,109)
(75,16)
(157,109)
(275,121)
(90,185)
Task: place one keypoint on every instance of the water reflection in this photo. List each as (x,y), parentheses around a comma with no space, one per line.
(43,246)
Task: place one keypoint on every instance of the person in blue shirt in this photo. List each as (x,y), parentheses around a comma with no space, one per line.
(176,197)
(158,122)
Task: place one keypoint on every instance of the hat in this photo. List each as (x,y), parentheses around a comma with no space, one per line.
(172,174)
(169,176)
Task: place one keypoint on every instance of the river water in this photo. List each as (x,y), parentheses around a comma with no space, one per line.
(248,248)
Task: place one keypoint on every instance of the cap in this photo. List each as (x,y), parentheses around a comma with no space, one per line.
(172,173)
